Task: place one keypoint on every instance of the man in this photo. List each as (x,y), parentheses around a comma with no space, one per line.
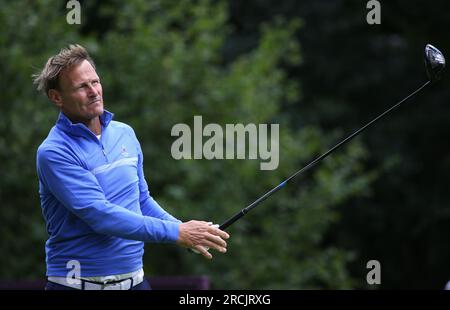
(94,196)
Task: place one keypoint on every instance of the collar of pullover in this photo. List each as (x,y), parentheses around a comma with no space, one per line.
(79,129)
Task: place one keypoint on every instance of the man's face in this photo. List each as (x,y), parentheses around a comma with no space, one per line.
(80,95)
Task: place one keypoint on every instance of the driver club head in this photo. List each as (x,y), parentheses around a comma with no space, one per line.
(434,62)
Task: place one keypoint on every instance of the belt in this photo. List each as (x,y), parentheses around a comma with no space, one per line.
(81,284)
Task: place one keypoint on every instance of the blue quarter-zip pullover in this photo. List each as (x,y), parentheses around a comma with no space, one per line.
(95,199)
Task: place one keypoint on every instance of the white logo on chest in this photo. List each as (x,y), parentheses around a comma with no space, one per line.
(124,152)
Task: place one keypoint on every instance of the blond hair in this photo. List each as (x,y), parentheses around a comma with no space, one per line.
(48,78)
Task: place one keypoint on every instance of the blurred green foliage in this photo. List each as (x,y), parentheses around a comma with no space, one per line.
(161,63)
(351,72)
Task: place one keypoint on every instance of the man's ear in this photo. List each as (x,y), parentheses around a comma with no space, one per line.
(55,97)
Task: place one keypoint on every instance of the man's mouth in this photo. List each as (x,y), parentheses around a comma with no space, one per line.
(94,101)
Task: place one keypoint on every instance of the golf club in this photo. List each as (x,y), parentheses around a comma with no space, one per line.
(434,64)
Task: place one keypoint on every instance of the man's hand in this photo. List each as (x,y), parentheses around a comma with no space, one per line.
(200,235)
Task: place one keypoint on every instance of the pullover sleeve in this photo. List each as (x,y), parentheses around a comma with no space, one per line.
(79,191)
(149,206)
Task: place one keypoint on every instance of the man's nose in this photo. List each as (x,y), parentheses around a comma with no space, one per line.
(92,90)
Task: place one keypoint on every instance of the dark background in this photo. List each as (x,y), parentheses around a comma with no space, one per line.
(351,72)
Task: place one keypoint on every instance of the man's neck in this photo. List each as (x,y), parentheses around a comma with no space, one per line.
(94,125)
